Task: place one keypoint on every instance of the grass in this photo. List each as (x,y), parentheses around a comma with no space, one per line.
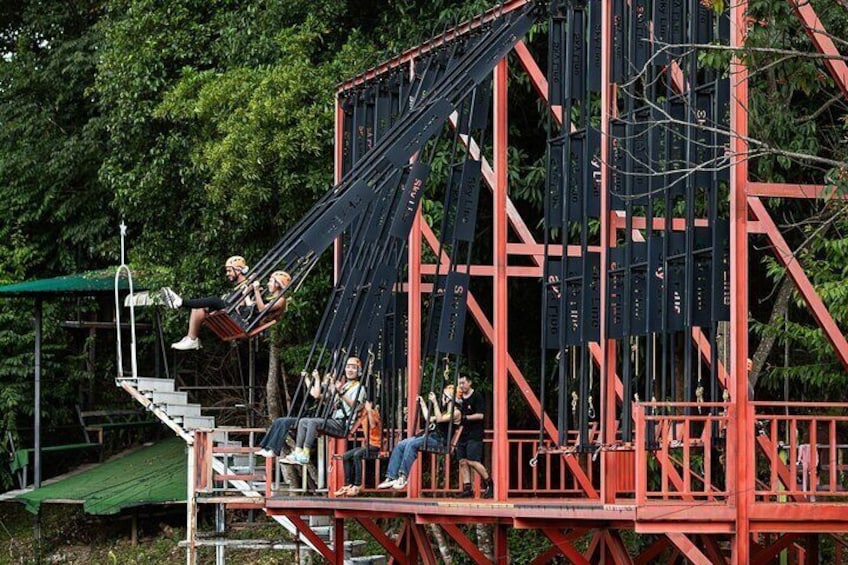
(71,537)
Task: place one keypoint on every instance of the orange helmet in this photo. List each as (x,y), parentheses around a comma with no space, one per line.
(282,278)
(237,263)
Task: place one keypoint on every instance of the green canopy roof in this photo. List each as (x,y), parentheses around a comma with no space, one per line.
(91,282)
(152,475)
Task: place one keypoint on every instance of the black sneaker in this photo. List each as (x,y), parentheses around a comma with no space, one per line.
(467,493)
(490,490)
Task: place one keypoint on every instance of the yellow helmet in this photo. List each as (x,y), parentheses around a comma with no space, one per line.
(282,278)
(237,263)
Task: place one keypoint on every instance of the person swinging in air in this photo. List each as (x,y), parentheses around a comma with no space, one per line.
(235,269)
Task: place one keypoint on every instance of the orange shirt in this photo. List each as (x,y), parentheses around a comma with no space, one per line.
(374,429)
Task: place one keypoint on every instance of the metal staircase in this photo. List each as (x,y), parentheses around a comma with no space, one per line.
(172,408)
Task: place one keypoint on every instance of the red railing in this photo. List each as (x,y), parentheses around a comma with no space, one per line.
(802,451)
(238,470)
(531,473)
(680,451)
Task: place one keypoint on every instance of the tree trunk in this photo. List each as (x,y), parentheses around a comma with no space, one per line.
(778,314)
(272,385)
(484,541)
(441,543)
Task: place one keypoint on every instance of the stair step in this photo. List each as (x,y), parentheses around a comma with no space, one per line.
(193,422)
(181,409)
(366,560)
(323,532)
(352,548)
(151,384)
(168,397)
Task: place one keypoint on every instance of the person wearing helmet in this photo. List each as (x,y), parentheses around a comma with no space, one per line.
(274,299)
(348,394)
(235,269)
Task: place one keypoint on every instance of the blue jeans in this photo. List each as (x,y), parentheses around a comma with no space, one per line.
(275,439)
(352,460)
(406,452)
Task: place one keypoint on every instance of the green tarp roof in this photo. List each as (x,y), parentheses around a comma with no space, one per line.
(151,475)
(91,282)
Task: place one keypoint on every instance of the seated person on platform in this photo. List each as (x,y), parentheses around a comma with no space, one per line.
(349,394)
(274,441)
(372,430)
(236,269)
(406,452)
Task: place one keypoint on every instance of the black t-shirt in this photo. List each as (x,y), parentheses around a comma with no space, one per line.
(473,429)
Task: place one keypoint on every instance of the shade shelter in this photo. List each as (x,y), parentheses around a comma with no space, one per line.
(90,283)
(154,474)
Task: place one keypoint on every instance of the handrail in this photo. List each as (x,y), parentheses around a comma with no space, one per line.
(123,267)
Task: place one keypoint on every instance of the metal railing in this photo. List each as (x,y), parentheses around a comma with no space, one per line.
(802,451)
(681,451)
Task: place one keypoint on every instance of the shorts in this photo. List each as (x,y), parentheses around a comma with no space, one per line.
(471,450)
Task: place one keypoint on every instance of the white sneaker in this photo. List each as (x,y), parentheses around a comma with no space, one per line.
(186,344)
(388,483)
(171,298)
(290,459)
(266,453)
(400,483)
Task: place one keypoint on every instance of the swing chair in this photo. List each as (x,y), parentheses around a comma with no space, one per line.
(447,303)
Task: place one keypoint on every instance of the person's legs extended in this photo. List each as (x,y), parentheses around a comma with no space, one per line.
(395,460)
(411,454)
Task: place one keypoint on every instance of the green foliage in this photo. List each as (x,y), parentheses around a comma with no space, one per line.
(811,118)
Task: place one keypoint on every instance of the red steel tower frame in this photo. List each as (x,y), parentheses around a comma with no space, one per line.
(752,517)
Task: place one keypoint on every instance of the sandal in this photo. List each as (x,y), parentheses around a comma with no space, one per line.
(344,491)
(354,490)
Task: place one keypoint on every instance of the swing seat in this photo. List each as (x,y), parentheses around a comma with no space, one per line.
(228,327)
(444,449)
(327,433)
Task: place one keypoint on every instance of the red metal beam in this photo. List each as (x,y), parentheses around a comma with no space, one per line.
(818,34)
(422,542)
(616,547)
(501,542)
(594,546)
(500,446)
(640,222)
(469,547)
(788,190)
(313,538)
(706,354)
(564,545)
(416,52)
(385,541)
(546,556)
(652,552)
(767,554)
(413,360)
(799,277)
(537,79)
(713,550)
(338,541)
(740,469)
(689,549)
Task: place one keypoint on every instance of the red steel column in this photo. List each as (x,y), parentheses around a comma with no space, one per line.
(413,330)
(335,478)
(500,447)
(338,160)
(741,479)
